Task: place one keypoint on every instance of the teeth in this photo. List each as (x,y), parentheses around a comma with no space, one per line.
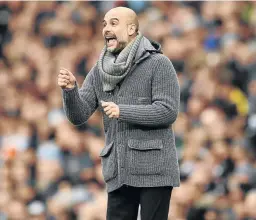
(111,38)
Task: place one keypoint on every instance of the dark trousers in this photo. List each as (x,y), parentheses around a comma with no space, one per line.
(124,202)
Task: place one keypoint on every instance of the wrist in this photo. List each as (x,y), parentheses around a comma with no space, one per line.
(71,87)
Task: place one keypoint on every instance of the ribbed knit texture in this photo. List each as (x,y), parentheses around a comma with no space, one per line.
(113,69)
(140,147)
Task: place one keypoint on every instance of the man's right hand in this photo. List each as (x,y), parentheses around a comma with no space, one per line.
(66,79)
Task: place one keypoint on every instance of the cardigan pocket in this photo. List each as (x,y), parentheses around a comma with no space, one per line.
(109,162)
(145,157)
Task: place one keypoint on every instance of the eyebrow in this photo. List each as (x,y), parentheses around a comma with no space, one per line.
(111,20)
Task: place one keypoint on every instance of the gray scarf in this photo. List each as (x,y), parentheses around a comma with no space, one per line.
(113,69)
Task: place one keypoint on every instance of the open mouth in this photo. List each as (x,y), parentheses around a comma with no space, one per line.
(110,40)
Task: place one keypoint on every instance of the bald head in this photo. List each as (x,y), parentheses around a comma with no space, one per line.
(128,15)
(120,26)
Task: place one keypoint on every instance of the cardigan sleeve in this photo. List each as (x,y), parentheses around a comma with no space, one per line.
(79,104)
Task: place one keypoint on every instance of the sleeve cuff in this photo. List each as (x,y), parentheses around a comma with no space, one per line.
(123,109)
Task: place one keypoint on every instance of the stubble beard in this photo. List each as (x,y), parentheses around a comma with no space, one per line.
(120,46)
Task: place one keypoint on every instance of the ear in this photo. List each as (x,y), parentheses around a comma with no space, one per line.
(131,29)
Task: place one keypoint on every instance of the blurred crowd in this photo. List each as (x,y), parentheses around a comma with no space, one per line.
(51,170)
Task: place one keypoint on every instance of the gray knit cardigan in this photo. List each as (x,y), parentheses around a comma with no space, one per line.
(139,146)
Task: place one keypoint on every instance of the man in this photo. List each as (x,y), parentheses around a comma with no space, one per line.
(136,89)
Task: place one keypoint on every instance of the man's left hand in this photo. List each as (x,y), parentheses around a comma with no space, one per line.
(111,109)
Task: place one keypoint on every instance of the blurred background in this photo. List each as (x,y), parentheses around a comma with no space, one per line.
(51,170)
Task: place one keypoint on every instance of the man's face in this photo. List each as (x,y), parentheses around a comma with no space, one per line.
(115,31)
